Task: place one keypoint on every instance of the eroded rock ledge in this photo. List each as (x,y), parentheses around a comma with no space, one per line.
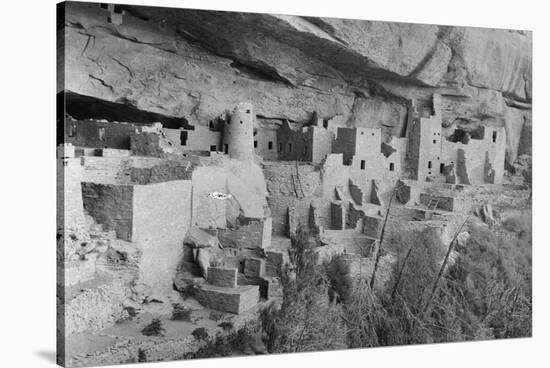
(192,64)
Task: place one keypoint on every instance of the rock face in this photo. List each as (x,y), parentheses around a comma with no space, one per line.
(196,64)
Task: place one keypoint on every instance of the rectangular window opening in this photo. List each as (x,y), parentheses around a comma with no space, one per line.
(362,164)
(269,145)
(494,137)
(441,168)
(213,148)
(289,147)
(429,164)
(226,148)
(280,147)
(183,138)
(392,166)
(255,144)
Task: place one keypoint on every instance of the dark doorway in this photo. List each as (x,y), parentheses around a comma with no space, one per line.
(183,138)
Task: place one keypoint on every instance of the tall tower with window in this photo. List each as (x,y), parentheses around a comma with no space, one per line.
(238,133)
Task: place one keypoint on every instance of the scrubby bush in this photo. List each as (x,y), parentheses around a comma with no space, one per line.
(181,313)
(200,333)
(519,224)
(226,326)
(240,342)
(492,275)
(306,320)
(154,328)
(142,356)
(341,283)
(413,276)
(485,292)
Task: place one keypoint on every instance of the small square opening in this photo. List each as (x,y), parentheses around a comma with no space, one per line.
(213,148)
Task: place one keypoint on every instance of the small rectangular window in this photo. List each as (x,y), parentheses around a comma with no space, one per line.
(362,164)
(183,138)
(325,123)
(392,166)
(441,168)
(494,137)
(435,141)
(269,145)
(280,147)
(255,144)
(226,148)
(213,148)
(289,147)
(429,164)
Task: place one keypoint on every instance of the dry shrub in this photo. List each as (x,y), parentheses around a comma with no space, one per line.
(181,313)
(306,320)
(154,328)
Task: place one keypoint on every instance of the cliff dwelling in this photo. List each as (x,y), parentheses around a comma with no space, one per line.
(192,177)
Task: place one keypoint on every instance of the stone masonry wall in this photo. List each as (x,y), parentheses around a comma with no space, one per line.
(110,205)
(255,233)
(161,218)
(98,134)
(291,185)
